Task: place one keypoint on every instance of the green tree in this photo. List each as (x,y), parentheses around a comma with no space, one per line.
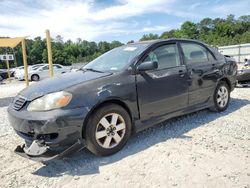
(36,51)
(189,30)
(115,44)
(149,36)
(103,46)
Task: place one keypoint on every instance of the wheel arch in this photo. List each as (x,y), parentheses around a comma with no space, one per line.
(105,102)
(224,79)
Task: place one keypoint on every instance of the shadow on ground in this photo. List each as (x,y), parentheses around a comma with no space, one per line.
(83,162)
(5,101)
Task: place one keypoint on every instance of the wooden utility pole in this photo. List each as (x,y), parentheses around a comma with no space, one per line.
(25,64)
(49,53)
(8,67)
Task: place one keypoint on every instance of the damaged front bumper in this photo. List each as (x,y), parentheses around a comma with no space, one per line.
(37,151)
(48,135)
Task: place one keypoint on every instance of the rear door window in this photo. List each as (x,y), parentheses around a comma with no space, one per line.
(195,53)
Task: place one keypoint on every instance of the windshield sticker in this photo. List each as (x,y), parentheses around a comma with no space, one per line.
(130,49)
(113,68)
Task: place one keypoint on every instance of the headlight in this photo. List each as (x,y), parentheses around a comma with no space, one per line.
(50,101)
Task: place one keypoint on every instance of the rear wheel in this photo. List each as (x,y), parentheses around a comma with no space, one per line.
(221,97)
(35,77)
(108,130)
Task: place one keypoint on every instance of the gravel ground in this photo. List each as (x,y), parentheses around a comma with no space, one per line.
(203,149)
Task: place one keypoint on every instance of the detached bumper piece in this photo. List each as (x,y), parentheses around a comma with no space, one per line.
(38,151)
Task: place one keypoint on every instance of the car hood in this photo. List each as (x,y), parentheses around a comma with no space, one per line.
(59,83)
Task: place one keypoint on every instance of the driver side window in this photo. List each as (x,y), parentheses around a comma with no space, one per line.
(167,56)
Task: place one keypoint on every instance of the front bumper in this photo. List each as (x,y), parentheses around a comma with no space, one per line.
(57,130)
(45,154)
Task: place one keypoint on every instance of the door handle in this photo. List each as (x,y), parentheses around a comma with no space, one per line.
(181,73)
(198,71)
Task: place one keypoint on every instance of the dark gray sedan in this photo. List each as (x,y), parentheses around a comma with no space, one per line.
(121,92)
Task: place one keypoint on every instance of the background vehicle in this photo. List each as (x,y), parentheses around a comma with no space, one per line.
(16,69)
(125,90)
(243,76)
(42,72)
(19,72)
(3,74)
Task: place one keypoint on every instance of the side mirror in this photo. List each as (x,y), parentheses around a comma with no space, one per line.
(148,65)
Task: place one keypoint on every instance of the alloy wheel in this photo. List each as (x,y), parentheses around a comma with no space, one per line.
(110,130)
(222,96)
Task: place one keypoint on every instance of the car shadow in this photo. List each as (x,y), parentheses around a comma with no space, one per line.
(84,163)
(241,86)
(5,101)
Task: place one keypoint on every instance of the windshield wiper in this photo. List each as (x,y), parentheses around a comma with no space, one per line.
(90,69)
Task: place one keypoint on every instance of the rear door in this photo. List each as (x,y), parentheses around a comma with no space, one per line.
(165,89)
(203,72)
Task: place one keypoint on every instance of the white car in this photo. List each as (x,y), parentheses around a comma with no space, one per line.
(13,70)
(19,72)
(42,72)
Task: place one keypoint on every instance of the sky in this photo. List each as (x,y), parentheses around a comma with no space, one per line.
(99,20)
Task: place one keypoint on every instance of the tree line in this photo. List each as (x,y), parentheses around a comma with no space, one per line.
(64,53)
(215,32)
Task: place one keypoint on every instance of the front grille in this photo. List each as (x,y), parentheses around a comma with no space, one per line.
(19,102)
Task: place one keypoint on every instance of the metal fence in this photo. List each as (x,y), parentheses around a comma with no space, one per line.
(240,52)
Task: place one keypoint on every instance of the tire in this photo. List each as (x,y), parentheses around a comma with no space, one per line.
(35,77)
(103,137)
(221,97)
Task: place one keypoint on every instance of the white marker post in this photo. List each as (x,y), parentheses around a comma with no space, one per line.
(7,58)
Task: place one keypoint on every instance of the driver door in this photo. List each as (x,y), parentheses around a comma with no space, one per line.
(44,72)
(164,90)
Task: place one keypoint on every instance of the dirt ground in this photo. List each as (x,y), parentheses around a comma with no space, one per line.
(203,149)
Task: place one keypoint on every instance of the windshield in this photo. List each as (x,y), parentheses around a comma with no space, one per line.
(116,59)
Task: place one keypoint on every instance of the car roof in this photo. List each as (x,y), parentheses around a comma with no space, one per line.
(151,42)
(40,64)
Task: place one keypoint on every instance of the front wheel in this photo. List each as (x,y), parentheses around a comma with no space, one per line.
(221,97)
(107,130)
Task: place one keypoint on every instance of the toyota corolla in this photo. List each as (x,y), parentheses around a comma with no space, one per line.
(124,91)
